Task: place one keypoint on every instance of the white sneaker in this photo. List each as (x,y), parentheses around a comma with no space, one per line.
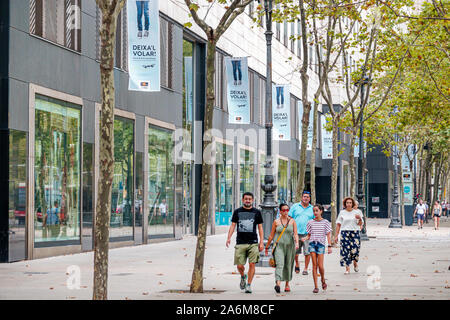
(248,288)
(146,33)
(140,34)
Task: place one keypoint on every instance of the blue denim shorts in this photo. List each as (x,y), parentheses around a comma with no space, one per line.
(316,247)
(420,216)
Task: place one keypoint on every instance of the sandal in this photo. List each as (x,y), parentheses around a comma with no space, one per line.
(297,269)
(324,286)
(287,289)
(347,272)
(305,273)
(316,290)
(277,289)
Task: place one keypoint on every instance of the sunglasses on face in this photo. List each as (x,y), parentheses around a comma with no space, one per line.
(285,210)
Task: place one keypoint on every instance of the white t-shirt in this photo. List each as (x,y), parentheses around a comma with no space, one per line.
(421,208)
(348,221)
(163,208)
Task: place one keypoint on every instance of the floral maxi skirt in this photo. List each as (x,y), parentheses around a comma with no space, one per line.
(350,245)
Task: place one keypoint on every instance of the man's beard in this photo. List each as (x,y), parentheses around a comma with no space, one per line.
(247,205)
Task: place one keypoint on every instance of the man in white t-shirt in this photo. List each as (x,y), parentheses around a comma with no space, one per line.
(421,210)
(163,210)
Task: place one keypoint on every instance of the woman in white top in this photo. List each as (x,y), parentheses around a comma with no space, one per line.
(348,225)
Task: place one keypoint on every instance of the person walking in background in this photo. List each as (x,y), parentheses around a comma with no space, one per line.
(437,212)
(348,225)
(163,210)
(319,230)
(284,229)
(360,212)
(247,218)
(142,9)
(302,212)
(421,210)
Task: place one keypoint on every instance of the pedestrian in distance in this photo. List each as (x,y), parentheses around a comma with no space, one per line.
(319,230)
(247,218)
(302,212)
(437,212)
(348,226)
(421,210)
(360,212)
(284,229)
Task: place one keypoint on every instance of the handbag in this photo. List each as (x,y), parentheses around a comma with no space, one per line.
(272,261)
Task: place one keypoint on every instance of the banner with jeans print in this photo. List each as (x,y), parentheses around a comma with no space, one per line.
(300,124)
(143,45)
(327,140)
(237,90)
(281,112)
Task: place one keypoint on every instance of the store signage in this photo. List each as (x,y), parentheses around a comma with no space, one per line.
(300,125)
(407,177)
(237,90)
(281,112)
(327,140)
(408,197)
(143,45)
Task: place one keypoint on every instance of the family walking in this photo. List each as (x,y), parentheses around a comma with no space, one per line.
(296,229)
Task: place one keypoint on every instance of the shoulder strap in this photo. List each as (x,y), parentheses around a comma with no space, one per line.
(287,224)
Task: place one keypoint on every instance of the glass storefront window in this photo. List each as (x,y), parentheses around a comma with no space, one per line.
(17,194)
(262,174)
(224,184)
(161,184)
(57,170)
(122,195)
(282,181)
(88,195)
(188,94)
(293,182)
(247,172)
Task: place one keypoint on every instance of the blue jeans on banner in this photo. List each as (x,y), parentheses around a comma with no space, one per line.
(280,96)
(142,8)
(237,72)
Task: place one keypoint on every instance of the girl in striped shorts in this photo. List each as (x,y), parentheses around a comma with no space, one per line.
(318,229)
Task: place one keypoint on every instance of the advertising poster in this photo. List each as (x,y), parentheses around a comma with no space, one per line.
(143,45)
(237,90)
(327,140)
(188,87)
(281,112)
(408,196)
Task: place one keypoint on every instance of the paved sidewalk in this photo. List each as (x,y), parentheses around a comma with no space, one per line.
(409,263)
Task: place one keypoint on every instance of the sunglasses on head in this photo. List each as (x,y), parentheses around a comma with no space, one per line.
(306,192)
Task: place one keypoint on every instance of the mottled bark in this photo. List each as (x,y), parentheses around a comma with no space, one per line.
(306,103)
(110,11)
(197,273)
(313,153)
(351,159)
(334,176)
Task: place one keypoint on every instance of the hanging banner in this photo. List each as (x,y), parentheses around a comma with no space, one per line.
(188,95)
(356,148)
(408,193)
(300,125)
(327,140)
(237,90)
(281,112)
(143,45)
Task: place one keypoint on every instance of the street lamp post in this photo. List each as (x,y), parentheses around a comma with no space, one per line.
(360,195)
(268,205)
(395,216)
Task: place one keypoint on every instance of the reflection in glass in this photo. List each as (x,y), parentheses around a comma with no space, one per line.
(57,170)
(188,94)
(247,174)
(282,181)
(138,202)
(17,194)
(161,182)
(224,183)
(262,174)
(122,197)
(88,194)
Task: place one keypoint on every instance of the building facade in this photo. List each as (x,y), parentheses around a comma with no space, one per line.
(50,110)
